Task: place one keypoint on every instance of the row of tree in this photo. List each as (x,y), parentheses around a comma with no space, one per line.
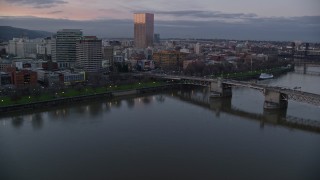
(200,68)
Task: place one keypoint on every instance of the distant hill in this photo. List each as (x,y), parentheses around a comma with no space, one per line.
(8,32)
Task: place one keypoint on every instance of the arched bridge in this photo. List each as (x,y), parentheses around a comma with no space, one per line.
(275,97)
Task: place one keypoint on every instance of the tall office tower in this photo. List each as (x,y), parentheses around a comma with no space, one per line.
(89,54)
(63,50)
(143,30)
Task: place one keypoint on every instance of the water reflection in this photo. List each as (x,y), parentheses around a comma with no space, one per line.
(130,103)
(220,104)
(116,103)
(274,117)
(17,121)
(107,107)
(197,96)
(95,109)
(133,101)
(37,121)
(81,110)
(160,98)
(146,100)
(59,113)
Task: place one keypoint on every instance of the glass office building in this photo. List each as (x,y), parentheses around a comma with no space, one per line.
(143,29)
(64,47)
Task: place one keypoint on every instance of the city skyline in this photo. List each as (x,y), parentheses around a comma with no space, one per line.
(278,20)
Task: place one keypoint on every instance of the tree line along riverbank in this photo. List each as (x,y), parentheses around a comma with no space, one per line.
(254,74)
(69,96)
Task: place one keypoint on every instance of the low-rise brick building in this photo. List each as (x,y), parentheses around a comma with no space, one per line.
(23,77)
(169,59)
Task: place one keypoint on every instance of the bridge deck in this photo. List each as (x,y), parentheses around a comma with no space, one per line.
(295,95)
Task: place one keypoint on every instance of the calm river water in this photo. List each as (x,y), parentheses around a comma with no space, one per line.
(170,135)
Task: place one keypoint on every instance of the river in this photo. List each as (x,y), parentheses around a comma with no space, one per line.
(169,135)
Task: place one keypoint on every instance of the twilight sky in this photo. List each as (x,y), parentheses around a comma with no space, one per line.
(232,19)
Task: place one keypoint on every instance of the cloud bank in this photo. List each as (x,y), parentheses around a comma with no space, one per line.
(37,3)
(211,25)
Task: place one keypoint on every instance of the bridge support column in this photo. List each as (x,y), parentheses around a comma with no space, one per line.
(220,90)
(275,100)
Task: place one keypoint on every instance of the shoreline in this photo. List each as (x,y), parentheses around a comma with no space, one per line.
(83,98)
(115,93)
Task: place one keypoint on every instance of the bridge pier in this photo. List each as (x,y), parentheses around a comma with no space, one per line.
(275,99)
(218,89)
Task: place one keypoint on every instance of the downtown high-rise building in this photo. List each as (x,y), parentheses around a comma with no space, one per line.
(143,30)
(89,54)
(23,47)
(63,48)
